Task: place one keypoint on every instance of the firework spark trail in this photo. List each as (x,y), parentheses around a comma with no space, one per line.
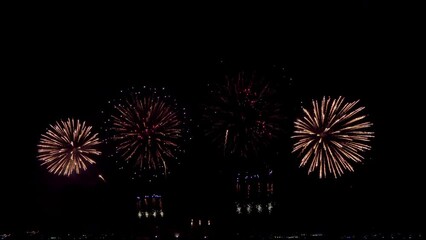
(147,131)
(331,136)
(67,147)
(243,116)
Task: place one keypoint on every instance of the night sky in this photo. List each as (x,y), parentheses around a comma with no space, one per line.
(69,65)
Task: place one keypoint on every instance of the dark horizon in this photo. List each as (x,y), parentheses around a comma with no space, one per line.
(65,69)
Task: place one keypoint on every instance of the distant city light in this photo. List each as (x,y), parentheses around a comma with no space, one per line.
(249,208)
(270,207)
(239,210)
(259,208)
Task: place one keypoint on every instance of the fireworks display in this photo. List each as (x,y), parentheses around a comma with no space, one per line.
(242,116)
(331,136)
(147,129)
(67,147)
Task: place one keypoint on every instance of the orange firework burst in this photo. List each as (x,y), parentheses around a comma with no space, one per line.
(332,136)
(67,147)
(147,130)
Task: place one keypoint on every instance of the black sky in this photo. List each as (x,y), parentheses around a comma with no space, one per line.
(62,65)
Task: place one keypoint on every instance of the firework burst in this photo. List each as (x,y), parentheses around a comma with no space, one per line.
(67,147)
(147,129)
(332,136)
(242,116)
